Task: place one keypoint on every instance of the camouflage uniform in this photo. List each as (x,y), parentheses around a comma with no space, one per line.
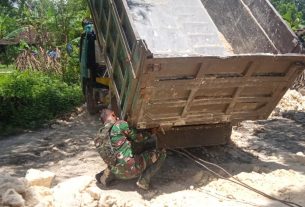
(128,164)
(103,144)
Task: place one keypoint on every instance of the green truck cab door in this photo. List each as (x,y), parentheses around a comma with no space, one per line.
(87,40)
(94,79)
(87,66)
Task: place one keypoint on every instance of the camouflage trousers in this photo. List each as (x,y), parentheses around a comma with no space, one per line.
(134,166)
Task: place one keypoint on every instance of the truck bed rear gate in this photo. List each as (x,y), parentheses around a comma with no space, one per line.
(208,90)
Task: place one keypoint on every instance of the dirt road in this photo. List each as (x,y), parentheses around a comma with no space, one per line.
(268,155)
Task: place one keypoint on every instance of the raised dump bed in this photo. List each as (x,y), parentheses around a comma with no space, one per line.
(173,29)
(184,63)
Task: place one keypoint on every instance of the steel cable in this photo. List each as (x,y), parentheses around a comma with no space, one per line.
(202,163)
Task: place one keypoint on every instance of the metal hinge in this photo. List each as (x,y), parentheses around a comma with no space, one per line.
(154,68)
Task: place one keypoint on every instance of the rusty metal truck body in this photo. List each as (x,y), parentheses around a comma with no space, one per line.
(177,63)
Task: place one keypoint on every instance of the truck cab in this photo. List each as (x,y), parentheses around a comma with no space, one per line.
(94,76)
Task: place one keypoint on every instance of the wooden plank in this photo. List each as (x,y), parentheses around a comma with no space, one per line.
(207,101)
(113,86)
(189,102)
(234,100)
(203,118)
(221,82)
(200,74)
(120,31)
(135,103)
(122,18)
(115,57)
(197,119)
(97,22)
(116,66)
(260,57)
(124,41)
(121,34)
(129,90)
(142,93)
(124,84)
(134,82)
(294,71)
(248,72)
(108,28)
(216,119)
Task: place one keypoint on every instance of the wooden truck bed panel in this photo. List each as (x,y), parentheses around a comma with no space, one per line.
(215,90)
(152,88)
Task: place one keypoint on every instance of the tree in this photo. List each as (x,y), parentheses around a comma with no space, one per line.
(67,20)
(293,11)
(7,21)
(56,21)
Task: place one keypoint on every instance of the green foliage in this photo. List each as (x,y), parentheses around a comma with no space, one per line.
(28,100)
(68,20)
(7,24)
(55,22)
(7,21)
(8,57)
(6,69)
(293,11)
(71,72)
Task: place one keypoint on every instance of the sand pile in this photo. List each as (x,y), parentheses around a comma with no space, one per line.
(292,101)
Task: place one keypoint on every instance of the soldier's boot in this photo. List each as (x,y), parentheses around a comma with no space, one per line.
(144,180)
(105,177)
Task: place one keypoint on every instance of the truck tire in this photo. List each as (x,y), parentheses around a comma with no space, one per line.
(90,100)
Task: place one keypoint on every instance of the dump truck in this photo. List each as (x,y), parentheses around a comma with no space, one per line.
(194,68)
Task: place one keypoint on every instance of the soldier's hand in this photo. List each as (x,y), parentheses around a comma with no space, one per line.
(155,130)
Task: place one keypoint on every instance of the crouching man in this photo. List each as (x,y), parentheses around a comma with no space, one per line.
(115,143)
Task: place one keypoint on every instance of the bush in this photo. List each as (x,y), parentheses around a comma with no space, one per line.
(29,99)
(71,70)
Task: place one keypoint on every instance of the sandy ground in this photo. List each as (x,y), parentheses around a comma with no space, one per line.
(268,155)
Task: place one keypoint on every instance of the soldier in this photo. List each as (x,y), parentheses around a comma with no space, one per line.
(114,144)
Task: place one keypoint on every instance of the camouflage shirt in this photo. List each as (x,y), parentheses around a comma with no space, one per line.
(123,139)
(121,136)
(103,144)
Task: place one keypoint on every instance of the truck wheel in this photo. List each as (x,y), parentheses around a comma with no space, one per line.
(90,100)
